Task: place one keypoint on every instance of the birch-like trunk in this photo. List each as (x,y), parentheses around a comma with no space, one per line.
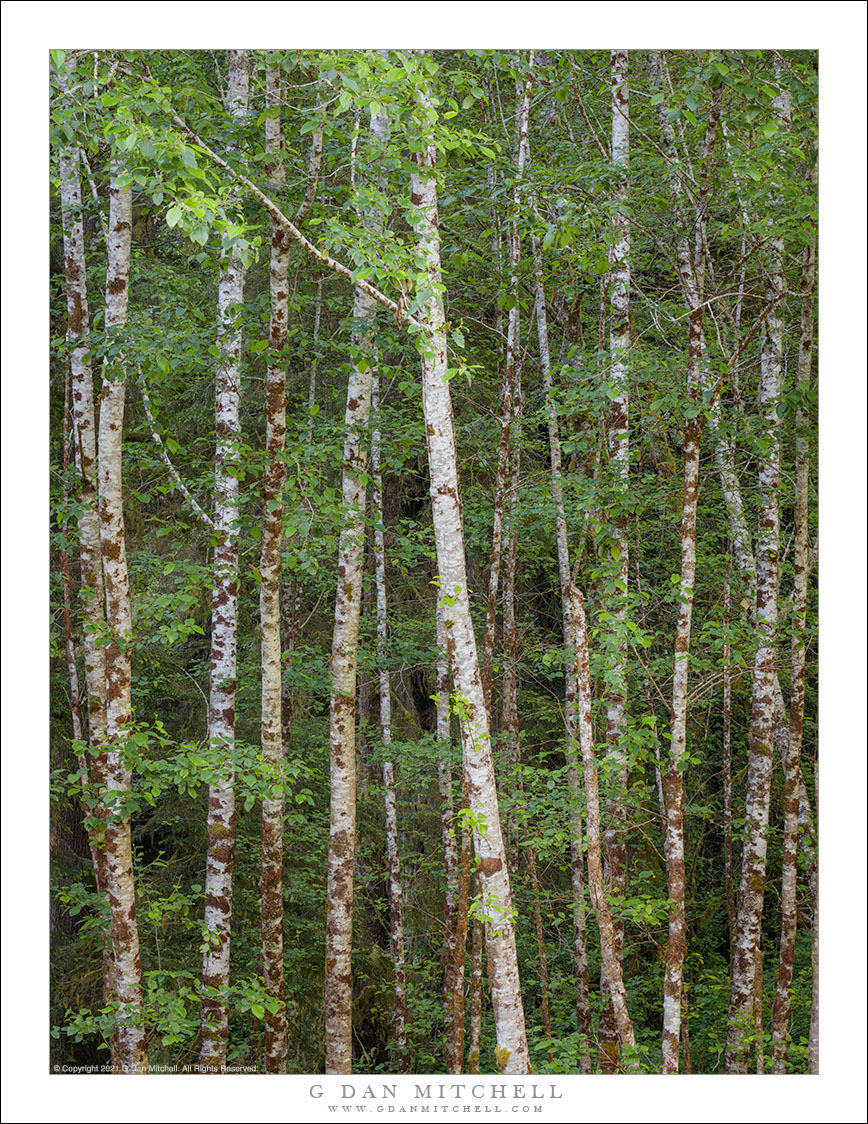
(748,951)
(342,707)
(571,693)
(611,966)
(453,973)
(396,901)
(214,1028)
(269,605)
(792,758)
(619,460)
(131,1043)
(496,898)
(691,268)
(89,548)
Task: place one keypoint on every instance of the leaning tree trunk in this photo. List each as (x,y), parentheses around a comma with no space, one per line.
(619,460)
(271,906)
(748,950)
(214,1028)
(396,901)
(496,898)
(131,1043)
(571,691)
(611,965)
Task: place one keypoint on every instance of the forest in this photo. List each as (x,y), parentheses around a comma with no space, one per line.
(434,554)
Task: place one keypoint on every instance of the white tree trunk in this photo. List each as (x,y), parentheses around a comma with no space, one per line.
(748,950)
(269,608)
(132,1047)
(214,1029)
(496,904)
(396,901)
(615,851)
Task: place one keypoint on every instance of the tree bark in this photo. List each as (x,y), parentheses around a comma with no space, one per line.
(214,1029)
(792,758)
(571,694)
(496,898)
(595,862)
(762,728)
(271,906)
(396,902)
(615,843)
(342,708)
(131,1043)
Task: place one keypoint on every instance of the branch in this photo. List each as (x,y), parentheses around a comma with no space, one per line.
(280,218)
(173,472)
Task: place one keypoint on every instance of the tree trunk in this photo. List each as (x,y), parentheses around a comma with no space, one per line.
(269,608)
(792,759)
(762,726)
(90,551)
(595,862)
(571,694)
(496,904)
(619,460)
(342,708)
(396,902)
(131,1044)
(214,1029)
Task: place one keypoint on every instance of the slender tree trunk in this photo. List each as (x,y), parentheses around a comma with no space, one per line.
(762,727)
(814,1029)
(691,267)
(595,862)
(131,1043)
(214,1029)
(729,880)
(396,902)
(474,1045)
(453,979)
(269,607)
(792,759)
(571,694)
(342,709)
(90,551)
(342,713)
(496,904)
(615,842)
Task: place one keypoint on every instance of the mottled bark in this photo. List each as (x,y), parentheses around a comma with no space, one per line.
(271,906)
(496,898)
(342,708)
(214,1029)
(474,1044)
(131,1054)
(792,756)
(571,695)
(615,842)
(691,268)
(728,876)
(762,727)
(92,594)
(595,861)
(453,972)
(396,902)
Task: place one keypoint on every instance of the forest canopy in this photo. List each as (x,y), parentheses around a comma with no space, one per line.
(434,549)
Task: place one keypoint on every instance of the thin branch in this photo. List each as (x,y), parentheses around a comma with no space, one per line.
(173,472)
